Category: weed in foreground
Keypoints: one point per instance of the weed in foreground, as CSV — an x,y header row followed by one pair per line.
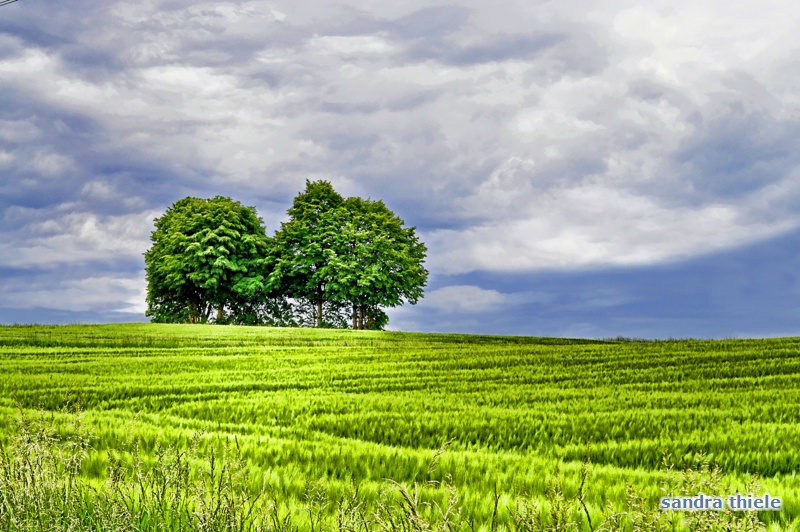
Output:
x,y
42,489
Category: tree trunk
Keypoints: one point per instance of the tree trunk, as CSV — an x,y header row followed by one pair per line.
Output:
x,y
319,314
355,317
220,312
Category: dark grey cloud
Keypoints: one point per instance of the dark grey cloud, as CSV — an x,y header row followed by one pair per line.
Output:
x,y
61,156
404,103
494,49
444,34
429,22
73,31
428,34
739,152
27,29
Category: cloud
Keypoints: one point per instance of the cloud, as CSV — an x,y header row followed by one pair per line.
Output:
x,y
738,152
107,293
748,291
464,299
526,137
72,237
594,225
350,45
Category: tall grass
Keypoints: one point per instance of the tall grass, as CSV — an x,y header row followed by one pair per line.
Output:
x,y
42,488
331,408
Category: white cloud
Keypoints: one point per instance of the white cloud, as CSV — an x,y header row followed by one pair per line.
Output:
x,y
115,294
18,131
29,63
76,237
556,124
349,46
466,299
50,164
594,225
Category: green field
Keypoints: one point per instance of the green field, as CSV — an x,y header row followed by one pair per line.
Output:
x,y
313,415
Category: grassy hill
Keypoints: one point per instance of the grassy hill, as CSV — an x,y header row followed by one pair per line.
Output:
x,y
298,418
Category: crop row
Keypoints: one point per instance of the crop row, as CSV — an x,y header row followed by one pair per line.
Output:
x,y
341,405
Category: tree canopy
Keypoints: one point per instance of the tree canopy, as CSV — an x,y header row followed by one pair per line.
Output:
x,y
378,262
206,254
306,244
336,262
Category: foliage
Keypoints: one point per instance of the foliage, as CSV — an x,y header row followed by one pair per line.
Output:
x,y
335,261
305,244
206,254
347,252
378,262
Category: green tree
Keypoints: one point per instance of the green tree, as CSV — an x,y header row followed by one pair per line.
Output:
x,y
304,247
207,254
379,262
347,257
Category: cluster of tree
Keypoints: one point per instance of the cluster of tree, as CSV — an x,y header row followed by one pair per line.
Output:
x,y
337,262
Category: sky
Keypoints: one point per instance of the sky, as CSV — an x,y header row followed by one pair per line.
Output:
x,y
591,168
